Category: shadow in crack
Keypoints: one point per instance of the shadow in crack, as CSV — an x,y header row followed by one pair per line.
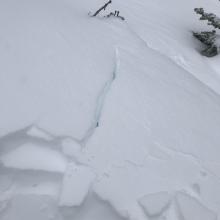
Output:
x,y
17,138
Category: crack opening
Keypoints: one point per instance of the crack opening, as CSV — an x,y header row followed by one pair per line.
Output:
x,y
101,102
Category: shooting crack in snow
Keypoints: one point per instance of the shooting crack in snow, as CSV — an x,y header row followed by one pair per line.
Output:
x,y
107,119
101,101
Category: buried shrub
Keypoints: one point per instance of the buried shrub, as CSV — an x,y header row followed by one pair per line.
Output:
x,y
111,14
115,14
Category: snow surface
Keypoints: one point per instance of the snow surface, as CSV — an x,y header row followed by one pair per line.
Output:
x,y
107,119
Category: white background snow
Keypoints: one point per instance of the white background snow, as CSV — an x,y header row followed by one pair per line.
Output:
x,y
107,119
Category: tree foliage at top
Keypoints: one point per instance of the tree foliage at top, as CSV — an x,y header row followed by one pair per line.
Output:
x,y
210,17
208,38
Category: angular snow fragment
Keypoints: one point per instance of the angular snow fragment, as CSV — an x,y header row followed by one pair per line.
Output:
x,y
76,185
155,204
190,208
34,157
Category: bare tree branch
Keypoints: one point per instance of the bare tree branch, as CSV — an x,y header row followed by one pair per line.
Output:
x,y
102,8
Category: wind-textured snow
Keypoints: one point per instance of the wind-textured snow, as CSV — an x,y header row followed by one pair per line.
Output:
x,y
107,119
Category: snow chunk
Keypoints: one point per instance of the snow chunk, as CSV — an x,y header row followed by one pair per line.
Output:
x,y
76,184
190,208
155,204
31,156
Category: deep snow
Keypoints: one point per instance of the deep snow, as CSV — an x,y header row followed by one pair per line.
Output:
x,y
107,119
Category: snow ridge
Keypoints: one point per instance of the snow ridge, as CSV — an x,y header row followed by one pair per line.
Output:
x,y
101,101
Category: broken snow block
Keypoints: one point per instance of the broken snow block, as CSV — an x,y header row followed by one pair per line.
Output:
x,y
76,185
31,156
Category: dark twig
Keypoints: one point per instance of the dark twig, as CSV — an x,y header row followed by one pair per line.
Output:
x,y
102,8
115,14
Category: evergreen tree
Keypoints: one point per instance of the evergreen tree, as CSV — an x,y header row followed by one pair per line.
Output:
x,y
208,38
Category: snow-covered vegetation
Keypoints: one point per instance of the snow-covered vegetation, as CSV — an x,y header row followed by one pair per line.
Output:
x,y
107,119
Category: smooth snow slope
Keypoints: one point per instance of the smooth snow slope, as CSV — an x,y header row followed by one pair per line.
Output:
x,y
105,119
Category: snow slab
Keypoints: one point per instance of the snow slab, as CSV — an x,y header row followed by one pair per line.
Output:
x,y
58,67
76,185
34,157
171,110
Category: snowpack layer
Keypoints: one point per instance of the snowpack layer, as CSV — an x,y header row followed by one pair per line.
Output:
x,y
107,119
